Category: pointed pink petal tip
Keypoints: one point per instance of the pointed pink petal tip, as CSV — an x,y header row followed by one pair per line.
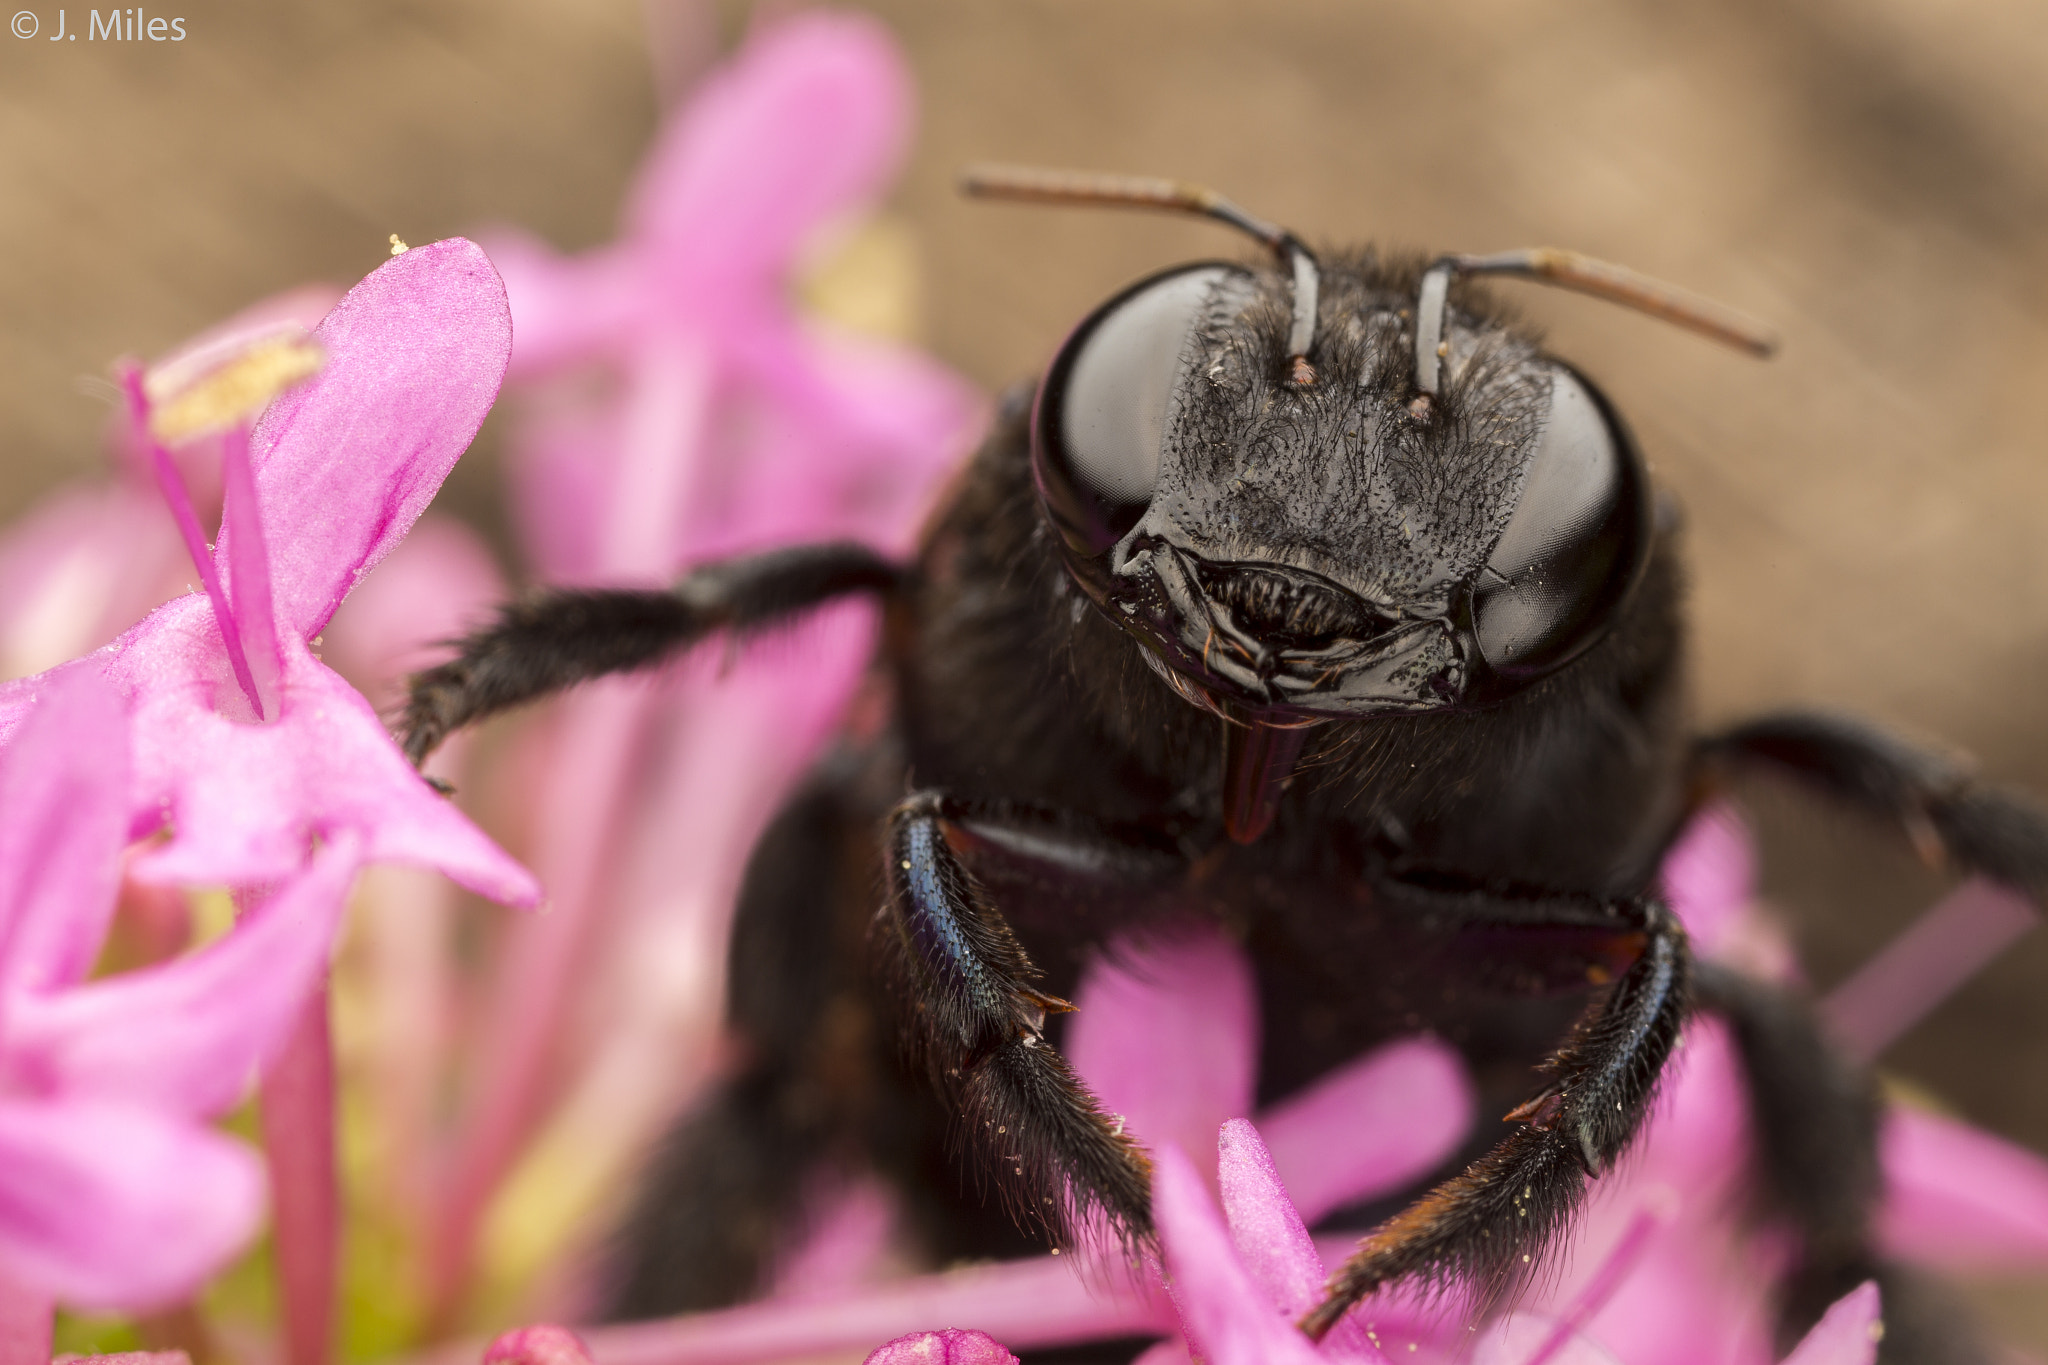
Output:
x,y
1847,1334
541,1344
954,1346
1226,1315
1269,1233
135,1358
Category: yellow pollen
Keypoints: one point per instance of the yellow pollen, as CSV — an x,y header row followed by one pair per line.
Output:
x,y
233,391
398,246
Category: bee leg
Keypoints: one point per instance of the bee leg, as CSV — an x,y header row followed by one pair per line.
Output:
x,y
1980,827
724,1191
560,637
1490,1225
976,1023
1814,1119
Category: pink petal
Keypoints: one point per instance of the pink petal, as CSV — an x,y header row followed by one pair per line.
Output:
x,y
1960,1198
111,1206
346,463
188,1036
1847,1333
245,801
1620,1263
1228,1318
1044,1301
245,547
890,410
1709,875
541,1344
560,468
659,468
1698,1133
809,121
1521,1338
1166,1034
1372,1126
63,787
1270,1236
950,1347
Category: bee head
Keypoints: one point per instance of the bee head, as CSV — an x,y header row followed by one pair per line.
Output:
x,y
1325,491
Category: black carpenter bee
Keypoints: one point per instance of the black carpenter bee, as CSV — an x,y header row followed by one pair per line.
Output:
x,y
1314,600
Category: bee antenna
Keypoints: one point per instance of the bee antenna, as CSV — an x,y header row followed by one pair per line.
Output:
x,y
1570,270
1032,184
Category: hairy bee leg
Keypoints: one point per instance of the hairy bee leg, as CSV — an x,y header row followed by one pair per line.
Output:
x,y
1981,827
1488,1226
976,1022
561,637
1814,1119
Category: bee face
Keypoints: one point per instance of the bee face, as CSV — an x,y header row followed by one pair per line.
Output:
x,y
1328,546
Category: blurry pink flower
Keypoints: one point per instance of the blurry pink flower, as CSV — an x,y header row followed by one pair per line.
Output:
x,y
246,747
679,408
113,1192
740,425
1241,1280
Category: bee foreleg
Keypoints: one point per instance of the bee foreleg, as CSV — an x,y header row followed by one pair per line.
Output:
x,y
975,1020
1490,1225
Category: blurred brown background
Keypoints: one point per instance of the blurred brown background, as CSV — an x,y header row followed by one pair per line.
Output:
x,y
1866,513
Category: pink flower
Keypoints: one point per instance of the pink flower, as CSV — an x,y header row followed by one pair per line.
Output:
x,y
740,425
1240,1281
677,407
113,1191
246,747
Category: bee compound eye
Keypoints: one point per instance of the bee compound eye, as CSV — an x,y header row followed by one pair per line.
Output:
x,y
1576,544
1103,409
